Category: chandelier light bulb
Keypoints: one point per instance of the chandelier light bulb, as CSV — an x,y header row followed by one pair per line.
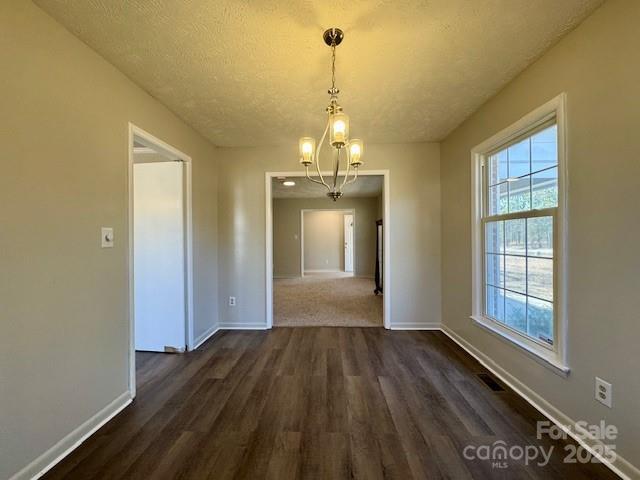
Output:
x,y
339,129
307,150
356,149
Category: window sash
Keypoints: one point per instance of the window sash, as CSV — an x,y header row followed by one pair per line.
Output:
x,y
526,214
549,212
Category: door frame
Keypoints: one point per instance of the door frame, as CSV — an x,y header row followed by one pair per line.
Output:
x,y
164,148
350,211
386,202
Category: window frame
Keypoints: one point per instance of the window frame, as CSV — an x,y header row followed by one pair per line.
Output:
x,y
553,357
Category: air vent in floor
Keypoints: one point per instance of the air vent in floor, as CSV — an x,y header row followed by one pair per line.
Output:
x,y
490,382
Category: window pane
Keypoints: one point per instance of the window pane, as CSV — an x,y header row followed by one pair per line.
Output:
x,y
540,237
515,269
516,311
495,303
544,150
520,194
545,188
540,320
519,159
495,270
515,241
498,199
494,239
498,167
540,278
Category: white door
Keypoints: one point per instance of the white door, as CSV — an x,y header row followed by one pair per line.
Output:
x,y
348,243
158,256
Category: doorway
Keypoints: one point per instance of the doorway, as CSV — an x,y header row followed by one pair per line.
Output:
x,y
286,270
160,249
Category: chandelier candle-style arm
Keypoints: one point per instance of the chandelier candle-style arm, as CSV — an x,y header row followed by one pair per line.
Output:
x,y
346,174
338,134
324,135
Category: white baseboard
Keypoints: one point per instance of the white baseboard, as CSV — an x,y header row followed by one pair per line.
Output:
x,y
416,326
620,466
205,336
284,277
325,271
73,440
242,326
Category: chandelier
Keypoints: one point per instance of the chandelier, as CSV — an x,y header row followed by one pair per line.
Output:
x,y
338,129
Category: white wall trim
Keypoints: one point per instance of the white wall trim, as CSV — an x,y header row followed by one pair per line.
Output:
x,y
417,326
327,270
172,152
144,151
205,336
269,240
73,440
621,466
242,326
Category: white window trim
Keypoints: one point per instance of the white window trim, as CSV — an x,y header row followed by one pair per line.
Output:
x,y
556,358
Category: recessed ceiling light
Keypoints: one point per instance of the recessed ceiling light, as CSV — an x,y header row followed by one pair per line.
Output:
x,y
289,183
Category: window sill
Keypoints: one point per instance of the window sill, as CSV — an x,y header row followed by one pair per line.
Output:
x,y
546,359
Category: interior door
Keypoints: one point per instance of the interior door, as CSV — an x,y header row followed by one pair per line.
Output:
x,y
159,260
348,243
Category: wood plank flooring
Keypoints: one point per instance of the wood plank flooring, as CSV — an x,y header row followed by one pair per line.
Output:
x,y
325,403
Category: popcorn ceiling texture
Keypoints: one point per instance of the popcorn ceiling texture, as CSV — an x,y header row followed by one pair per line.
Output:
x,y
248,73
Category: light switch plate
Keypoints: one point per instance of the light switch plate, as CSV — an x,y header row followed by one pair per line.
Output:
x,y
107,237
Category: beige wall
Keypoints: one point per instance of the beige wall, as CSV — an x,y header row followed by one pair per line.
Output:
x,y
286,233
324,241
414,228
597,66
63,299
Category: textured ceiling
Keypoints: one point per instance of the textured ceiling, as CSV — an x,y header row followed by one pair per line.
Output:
x,y
247,72
365,186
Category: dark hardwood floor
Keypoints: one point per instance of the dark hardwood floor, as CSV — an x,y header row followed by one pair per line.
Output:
x,y
316,403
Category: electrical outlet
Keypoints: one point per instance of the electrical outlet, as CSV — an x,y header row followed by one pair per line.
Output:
x,y
604,392
232,301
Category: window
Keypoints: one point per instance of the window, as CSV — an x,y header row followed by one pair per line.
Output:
x,y
518,237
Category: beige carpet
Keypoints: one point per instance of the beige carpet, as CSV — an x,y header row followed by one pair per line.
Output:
x,y
334,301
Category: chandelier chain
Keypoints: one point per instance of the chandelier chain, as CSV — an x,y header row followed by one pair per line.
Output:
x,y
333,67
